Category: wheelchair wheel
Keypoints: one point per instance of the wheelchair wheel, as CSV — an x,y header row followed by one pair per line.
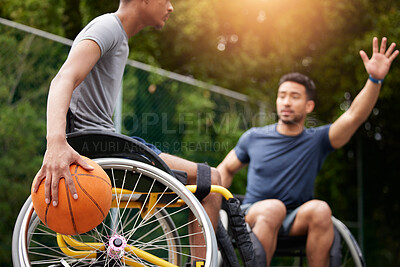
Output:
x,y
147,225
351,253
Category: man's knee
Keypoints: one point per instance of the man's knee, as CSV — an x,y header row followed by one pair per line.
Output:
x,y
321,213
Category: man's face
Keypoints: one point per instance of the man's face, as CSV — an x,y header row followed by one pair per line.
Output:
x,y
158,12
292,104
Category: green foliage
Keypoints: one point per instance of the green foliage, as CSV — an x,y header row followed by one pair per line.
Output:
x,y
72,18
42,14
242,45
21,152
91,9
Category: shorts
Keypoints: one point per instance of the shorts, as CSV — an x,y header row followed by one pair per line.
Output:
x,y
287,222
151,146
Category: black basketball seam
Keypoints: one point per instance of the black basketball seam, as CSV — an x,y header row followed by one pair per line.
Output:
x,y
94,176
45,214
89,196
76,170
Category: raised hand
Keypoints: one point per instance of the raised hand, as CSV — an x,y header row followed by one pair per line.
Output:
x,y
379,63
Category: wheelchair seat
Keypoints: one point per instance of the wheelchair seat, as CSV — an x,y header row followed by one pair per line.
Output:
x,y
290,246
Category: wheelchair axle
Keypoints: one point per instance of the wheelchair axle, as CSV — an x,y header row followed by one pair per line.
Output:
x,y
116,246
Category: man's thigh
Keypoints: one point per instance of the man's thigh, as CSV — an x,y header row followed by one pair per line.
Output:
x,y
306,214
174,162
177,163
271,210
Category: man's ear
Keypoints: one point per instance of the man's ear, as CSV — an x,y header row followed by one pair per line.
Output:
x,y
310,105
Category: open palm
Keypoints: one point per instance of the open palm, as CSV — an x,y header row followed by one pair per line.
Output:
x,y
379,64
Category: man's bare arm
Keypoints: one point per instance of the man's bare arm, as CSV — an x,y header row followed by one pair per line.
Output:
x,y
378,66
228,167
59,155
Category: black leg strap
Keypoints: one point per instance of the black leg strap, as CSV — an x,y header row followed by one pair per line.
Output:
x,y
203,181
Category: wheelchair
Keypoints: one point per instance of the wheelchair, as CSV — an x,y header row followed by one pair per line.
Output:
x,y
149,223
150,220
291,250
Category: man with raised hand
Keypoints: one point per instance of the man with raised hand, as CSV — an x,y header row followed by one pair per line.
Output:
x,y
285,158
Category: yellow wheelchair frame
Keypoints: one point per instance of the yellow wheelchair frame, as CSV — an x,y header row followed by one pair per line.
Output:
x,y
74,248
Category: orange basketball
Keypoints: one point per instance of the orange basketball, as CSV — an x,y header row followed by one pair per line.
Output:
x,y
70,216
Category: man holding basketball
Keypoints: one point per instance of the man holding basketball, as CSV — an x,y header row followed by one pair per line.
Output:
x,y
86,87
285,158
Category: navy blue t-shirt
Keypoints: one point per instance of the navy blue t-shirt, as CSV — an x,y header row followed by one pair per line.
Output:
x,y
282,167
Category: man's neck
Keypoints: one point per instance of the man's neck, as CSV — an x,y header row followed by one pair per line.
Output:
x,y
130,21
290,129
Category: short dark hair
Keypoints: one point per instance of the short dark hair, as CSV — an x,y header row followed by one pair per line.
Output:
x,y
302,79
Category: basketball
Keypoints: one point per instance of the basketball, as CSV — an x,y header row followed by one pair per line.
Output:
x,y
70,216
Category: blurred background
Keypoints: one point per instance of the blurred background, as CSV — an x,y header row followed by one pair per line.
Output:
x,y
209,75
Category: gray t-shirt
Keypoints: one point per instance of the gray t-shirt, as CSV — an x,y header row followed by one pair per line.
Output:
x,y
93,101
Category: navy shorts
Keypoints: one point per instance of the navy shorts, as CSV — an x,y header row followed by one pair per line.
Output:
x,y
151,146
287,222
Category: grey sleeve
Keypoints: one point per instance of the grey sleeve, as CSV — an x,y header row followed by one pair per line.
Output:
x,y
241,148
104,32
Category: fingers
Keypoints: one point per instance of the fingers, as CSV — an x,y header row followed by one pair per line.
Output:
x,y
52,183
388,53
394,55
37,181
84,164
47,188
54,191
375,45
55,185
390,50
56,166
364,57
383,45
69,181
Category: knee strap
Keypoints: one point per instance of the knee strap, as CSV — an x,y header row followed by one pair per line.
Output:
x,y
203,181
